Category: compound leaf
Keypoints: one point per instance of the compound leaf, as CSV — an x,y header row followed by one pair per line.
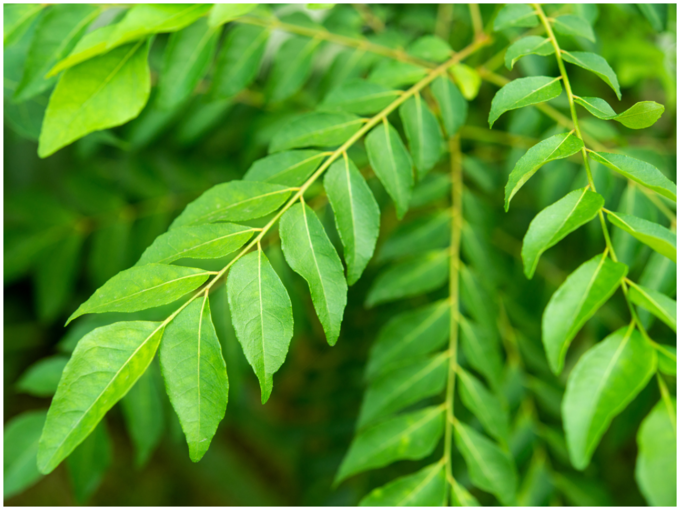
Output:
x,y
523,92
530,45
316,129
423,133
657,237
595,64
426,487
288,168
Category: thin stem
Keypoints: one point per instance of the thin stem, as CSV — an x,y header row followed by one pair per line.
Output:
x,y
371,19
443,24
666,396
476,17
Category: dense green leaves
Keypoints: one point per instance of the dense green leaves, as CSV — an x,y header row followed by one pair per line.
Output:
x,y
103,92
426,487
655,236
195,374
318,129
223,13
16,20
556,147
515,15
392,164
357,216
262,315
600,386
452,105
423,134
638,171
105,364
407,436
292,67
395,74
359,96
557,221
142,287
42,378
289,168
595,64
482,351
523,92
20,447
310,253
569,24
639,116
578,298
659,304
530,45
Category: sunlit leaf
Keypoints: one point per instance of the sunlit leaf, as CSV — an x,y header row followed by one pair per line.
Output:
x,y
659,304
223,13
530,45
288,168
657,237
515,15
595,64
639,116
569,24
426,487
523,92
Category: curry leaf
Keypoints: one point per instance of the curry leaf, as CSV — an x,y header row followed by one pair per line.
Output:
x,y
530,45
423,134
452,105
515,15
659,238
292,67
42,378
467,78
577,26
485,406
20,445
523,92
359,96
595,64
288,168
482,352
659,304
426,487
223,13
639,116
317,129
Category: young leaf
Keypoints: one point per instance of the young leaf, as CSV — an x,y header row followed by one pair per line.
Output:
x,y
209,241
603,382
578,298
411,277
452,105
55,36
195,374
310,253
317,129
409,335
656,466
402,387
639,116
187,58
467,78
262,315
233,201
91,45
657,237
426,487
659,304
428,232
359,96
515,15
491,469
595,64
89,462
530,45
357,215
556,147
42,378
523,92
557,221
482,352
638,171
105,364
289,168
430,47
423,133
574,26
20,445
223,13
407,436
392,164
238,60
142,287
485,406
83,100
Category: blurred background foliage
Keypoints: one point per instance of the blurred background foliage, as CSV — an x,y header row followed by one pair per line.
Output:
x,y
75,219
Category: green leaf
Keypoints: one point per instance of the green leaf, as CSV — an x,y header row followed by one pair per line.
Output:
x,y
603,382
402,387
491,469
460,496
395,74
392,164
667,358
430,47
578,298
411,277
91,45
288,168
20,444
659,304
17,18
195,374
557,221
233,201
485,406
56,34
523,92
209,241
428,232
88,463
359,96
317,129
262,315
515,15
82,100
238,61
105,364
423,133
657,237
223,13
468,79
187,58
581,491
42,378
433,188
410,436
656,466
556,147
656,14
142,287
408,336
639,116
595,64
574,26
638,171
530,45
292,67
310,253
452,105
143,413
482,352
426,487
357,215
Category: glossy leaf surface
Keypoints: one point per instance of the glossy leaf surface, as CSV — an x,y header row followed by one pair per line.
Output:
x,y
523,92
659,238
